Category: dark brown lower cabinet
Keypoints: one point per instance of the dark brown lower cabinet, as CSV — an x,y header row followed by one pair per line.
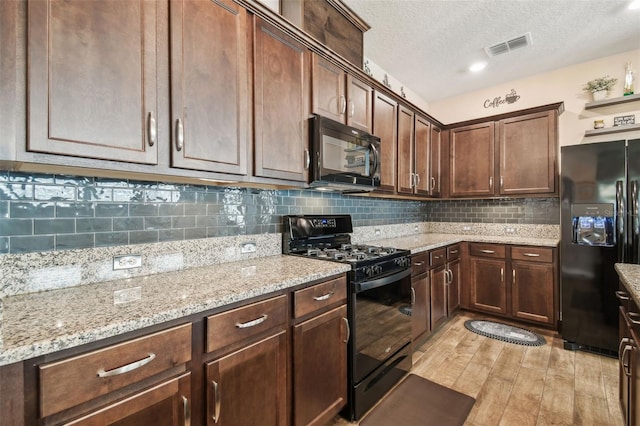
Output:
x,y
488,288
166,404
438,293
629,357
249,386
320,367
532,291
453,286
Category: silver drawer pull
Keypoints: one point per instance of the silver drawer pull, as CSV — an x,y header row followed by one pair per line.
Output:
x,y
323,297
252,322
622,295
531,254
487,251
128,367
632,315
437,257
418,264
454,252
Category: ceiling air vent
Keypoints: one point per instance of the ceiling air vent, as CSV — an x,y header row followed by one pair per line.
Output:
x,y
509,45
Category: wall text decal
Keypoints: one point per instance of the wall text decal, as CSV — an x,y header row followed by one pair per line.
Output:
x,y
509,98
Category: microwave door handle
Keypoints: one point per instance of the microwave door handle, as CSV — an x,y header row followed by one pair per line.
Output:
x,y
376,159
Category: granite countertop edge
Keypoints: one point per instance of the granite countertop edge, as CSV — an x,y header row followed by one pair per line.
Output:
x,y
630,276
414,243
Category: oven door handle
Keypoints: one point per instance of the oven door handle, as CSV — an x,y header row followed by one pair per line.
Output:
x,y
379,282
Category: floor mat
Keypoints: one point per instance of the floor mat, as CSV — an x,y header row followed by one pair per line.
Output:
x,y
420,402
505,332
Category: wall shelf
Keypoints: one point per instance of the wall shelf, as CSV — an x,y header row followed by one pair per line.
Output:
x,y
612,101
609,130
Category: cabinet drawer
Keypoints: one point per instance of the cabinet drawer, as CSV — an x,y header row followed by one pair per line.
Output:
x,y
238,324
419,264
453,252
437,257
532,254
66,383
316,297
487,250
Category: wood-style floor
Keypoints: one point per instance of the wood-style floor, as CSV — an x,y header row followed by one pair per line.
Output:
x,y
520,385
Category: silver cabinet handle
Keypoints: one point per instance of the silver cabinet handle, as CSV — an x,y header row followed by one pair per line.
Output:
x,y
532,254
487,251
307,159
626,342
126,368
417,180
418,264
323,297
412,180
502,275
490,182
216,401
343,104
152,132
346,323
413,296
179,135
353,109
433,182
631,316
513,275
501,182
622,295
186,411
252,322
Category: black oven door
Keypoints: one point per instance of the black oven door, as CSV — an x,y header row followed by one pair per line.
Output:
x,y
381,328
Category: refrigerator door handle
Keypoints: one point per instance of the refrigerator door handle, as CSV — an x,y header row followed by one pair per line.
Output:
x,y
619,215
634,222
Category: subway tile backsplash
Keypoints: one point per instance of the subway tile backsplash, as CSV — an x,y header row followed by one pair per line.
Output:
x,y
41,212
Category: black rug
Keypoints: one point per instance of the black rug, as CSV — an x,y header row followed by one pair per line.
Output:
x,y
419,402
504,332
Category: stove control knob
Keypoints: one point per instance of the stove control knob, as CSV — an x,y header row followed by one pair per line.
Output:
x,y
377,269
368,271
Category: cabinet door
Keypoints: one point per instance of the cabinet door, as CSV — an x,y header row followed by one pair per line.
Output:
x,y
472,160
328,84
488,289
385,125
92,79
405,151
435,162
281,104
420,314
634,385
249,386
209,86
453,287
166,404
528,153
624,381
438,296
532,290
359,98
422,130
320,367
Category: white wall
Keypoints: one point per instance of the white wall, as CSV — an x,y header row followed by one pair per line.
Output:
x,y
565,85
378,74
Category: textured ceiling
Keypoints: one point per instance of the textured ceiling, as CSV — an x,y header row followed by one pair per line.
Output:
x,y
428,45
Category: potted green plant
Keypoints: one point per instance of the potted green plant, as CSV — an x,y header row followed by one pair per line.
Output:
x,y
600,87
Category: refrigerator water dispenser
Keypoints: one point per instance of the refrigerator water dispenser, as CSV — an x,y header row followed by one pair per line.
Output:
x,y
593,224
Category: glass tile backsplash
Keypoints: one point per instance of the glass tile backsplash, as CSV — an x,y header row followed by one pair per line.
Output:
x,y
41,212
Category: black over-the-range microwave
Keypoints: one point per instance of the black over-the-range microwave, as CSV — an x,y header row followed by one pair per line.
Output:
x,y
342,157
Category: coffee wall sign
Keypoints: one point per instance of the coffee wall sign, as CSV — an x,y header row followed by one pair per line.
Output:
x,y
509,98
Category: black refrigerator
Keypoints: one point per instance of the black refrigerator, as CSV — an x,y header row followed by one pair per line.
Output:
x,y
599,227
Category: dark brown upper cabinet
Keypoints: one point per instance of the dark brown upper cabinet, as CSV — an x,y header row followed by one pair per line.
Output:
x,y
92,79
406,153
435,162
210,80
385,125
422,182
340,96
528,154
281,104
472,160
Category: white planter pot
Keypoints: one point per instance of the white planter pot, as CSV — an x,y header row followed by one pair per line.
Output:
x,y
598,96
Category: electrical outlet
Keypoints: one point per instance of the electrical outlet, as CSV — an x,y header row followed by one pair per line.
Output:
x,y
377,232
127,295
415,228
127,261
249,247
466,228
509,230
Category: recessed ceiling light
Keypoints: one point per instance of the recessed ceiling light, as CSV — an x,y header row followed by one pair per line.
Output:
x,y
635,4
477,66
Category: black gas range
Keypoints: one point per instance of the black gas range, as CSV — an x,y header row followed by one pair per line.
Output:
x,y
379,292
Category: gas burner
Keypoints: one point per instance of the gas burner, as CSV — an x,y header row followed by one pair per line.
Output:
x,y
314,252
358,255
346,247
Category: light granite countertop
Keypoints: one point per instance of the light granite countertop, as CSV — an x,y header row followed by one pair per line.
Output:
x,y
423,242
35,324
630,276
